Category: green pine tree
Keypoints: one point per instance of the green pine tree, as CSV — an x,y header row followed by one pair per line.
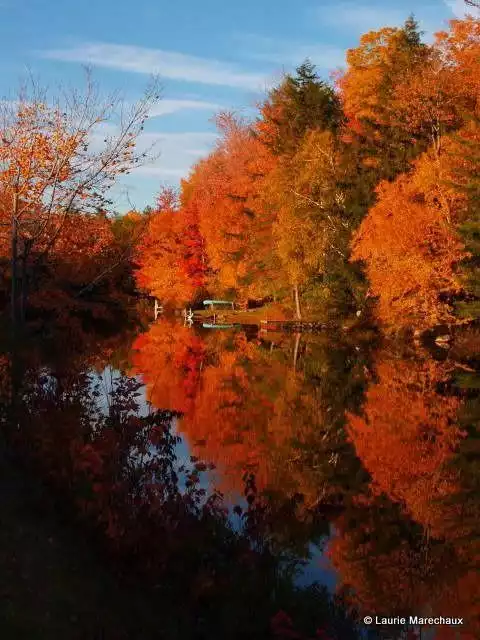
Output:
x,y
307,103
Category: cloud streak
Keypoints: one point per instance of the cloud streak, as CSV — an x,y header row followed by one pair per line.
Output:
x,y
268,49
167,64
172,154
166,107
357,18
360,17
176,152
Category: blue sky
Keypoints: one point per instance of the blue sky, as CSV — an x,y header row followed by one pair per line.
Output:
x,y
210,54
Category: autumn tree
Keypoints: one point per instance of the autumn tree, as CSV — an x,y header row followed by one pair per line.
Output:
x,y
298,122
413,239
224,188
194,264
411,245
367,91
459,50
373,70
171,256
441,94
308,205
53,165
157,253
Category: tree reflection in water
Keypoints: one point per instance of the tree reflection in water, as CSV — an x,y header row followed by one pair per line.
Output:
x,y
112,468
318,442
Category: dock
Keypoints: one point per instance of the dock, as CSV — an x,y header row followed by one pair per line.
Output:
x,y
296,326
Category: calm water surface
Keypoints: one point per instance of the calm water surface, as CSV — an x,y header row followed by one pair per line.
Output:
x,y
358,463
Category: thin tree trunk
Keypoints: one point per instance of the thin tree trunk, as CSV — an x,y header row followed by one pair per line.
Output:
x,y
295,352
15,385
15,376
297,302
24,288
14,283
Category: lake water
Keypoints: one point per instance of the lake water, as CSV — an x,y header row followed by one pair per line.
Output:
x,y
363,458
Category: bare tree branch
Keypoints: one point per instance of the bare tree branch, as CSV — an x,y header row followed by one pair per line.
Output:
x,y
61,156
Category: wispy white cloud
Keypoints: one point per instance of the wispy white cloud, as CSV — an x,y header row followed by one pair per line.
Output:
x,y
175,155
167,64
288,53
460,9
166,107
357,18
171,154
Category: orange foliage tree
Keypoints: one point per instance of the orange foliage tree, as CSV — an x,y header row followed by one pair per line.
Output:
x,y
410,244
444,91
171,256
50,169
367,91
409,240
224,188
460,49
